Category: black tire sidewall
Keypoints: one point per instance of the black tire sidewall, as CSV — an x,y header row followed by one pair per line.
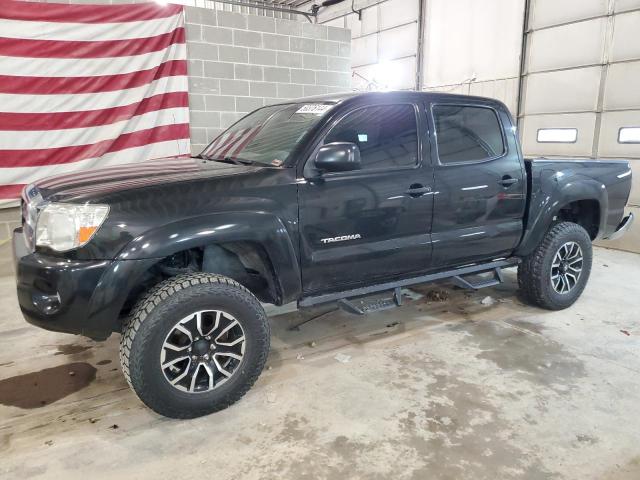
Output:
x,y
576,234
149,381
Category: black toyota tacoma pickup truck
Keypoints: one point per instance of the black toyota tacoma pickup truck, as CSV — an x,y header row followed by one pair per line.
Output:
x,y
320,200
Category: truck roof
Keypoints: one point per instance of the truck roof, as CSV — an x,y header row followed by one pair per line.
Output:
x,y
399,94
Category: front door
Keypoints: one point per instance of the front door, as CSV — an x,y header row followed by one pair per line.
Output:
x,y
369,225
480,184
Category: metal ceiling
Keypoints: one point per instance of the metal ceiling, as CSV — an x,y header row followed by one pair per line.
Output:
x,y
292,7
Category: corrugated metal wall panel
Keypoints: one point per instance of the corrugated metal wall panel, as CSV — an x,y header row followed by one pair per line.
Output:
x,y
621,89
384,41
572,45
624,5
611,124
606,90
584,122
483,43
551,12
563,91
625,45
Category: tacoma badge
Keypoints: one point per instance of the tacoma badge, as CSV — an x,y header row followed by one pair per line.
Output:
x,y
343,238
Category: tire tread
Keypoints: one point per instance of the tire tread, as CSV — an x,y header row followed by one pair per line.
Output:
x,y
154,299
531,280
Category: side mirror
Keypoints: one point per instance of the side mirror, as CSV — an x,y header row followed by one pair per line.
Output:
x,y
338,157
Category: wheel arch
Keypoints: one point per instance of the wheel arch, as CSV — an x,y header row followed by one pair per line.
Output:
x,y
583,201
257,241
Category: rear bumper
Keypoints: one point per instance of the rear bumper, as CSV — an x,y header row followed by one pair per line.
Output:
x,y
71,296
625,224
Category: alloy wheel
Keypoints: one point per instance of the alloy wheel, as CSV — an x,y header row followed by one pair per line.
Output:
x,y
202,351
566,267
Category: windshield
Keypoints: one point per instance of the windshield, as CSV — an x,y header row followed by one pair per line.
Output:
x,y
267,135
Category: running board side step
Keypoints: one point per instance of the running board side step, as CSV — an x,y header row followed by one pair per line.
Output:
x,y
461,282
456,275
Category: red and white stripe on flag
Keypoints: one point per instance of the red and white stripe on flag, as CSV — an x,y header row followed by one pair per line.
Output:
x,y
231,143
86,86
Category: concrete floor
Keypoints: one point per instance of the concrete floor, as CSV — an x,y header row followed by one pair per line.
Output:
x,y
449,389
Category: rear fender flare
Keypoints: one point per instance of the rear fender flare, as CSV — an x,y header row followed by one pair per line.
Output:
x,y
553,197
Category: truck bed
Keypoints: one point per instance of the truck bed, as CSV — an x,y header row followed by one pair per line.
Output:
x,y
607,180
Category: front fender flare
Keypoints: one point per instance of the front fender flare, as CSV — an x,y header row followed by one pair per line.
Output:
x,y
262,228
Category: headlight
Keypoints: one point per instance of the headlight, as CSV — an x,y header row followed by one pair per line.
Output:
x,y
64,226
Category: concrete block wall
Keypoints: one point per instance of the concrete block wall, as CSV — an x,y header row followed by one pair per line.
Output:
x,y
238,63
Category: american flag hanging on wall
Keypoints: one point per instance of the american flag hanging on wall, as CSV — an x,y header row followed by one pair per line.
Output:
x,y
86,86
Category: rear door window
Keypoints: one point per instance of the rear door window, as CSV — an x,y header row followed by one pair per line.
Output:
x,y
467,133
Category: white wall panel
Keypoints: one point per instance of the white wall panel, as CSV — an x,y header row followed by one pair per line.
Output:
x,y
398,12
623,5
573,45
351,22
563,91
505,90
398,42
611,123
467,38
553,12
626,45
634,198
392,75
622,86
584,122
369,22
401,73
387,32
364,50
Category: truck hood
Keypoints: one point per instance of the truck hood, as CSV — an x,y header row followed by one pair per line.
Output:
x,y
98,183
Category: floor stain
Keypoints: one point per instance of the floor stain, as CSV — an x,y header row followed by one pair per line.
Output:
x,y
71,349
104,362
37,389
524,351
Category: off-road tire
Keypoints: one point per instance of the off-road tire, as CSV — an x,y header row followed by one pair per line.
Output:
x,y
534,273
155,315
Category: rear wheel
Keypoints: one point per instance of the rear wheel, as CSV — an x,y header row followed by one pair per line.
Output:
x,y
554,275
195,345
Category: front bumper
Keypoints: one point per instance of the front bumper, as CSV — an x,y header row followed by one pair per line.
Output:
x,y
72,296
625,224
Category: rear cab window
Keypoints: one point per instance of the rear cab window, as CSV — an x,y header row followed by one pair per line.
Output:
x,y
466,133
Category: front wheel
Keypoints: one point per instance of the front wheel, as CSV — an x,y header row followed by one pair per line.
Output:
x,y
195,345
554,275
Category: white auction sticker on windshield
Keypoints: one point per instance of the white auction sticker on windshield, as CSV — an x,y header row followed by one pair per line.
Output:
x,y
314,108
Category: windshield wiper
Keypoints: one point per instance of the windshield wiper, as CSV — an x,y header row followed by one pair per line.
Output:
x,y
231,160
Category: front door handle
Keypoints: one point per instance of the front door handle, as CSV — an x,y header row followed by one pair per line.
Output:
x,y
416,190
507,181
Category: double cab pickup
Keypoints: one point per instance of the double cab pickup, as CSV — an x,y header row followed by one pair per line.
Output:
x,y
319,200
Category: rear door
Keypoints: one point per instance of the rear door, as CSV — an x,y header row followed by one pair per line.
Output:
x,y
480,186
364,226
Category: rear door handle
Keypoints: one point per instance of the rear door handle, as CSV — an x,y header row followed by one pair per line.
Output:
x,y
417,190
507,181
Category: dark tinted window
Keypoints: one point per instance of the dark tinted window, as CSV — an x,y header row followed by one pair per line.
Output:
x,y
387,135
467,133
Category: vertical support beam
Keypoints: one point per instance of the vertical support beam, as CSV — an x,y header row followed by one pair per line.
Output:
x,y
422,9
524,51
606,53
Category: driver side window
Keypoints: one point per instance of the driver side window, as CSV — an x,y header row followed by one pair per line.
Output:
x,y
387,135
